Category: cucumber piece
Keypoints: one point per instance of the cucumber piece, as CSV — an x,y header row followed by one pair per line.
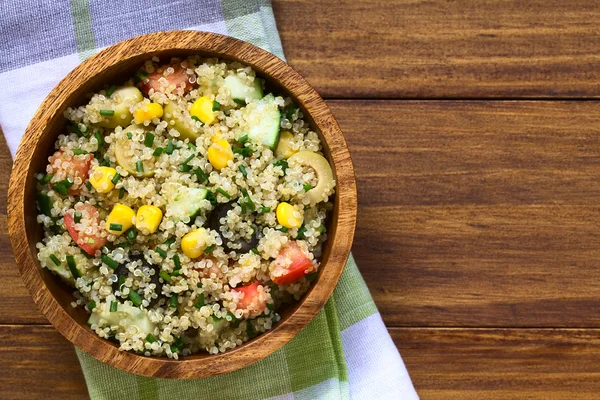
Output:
x,y
181,121
263,122
186,203
240,91
122,99
127,158
132,316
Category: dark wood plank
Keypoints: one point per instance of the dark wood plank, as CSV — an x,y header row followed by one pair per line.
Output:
x,y
465,364
38,363
478,213
408,48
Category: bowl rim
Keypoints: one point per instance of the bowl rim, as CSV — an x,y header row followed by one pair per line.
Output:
x,y
264,63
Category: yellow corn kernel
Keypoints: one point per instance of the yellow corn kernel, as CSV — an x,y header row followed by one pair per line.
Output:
x,y
219,154
288,216
148,218
194,243
203,110
147,112
101,179
283,148
215,138
120,215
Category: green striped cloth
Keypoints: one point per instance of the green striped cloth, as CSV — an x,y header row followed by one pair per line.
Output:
x,y
345,352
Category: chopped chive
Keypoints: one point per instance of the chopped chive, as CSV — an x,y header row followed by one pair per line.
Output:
x,y
105,162
150,338
79,152
200,175
55,260
243,139
135,298
77,217
113,306
110,90
283,164
243,171
149,139
243,205
129,135
209,249
284,229
169,241
45,179
322,228
173,301
109,113
170,147
176,273
301,232
116,227
244,152
312,277
197,119
184,168
290,111
210,196
199,301
75,129
158,151
248,201
91,305
116,178
131,234
141,75
224,193
264,210
255,250
109,261
99,138
121,193
60,188
88,185
44,203
190,158
139,166
307,187
177,261
161,252
166,277
216,106
73,267
192,146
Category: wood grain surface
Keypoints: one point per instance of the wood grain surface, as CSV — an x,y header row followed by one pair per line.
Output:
x,y
478,222
443,48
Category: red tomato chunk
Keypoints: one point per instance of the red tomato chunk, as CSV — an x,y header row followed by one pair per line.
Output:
x,y
291,265
74,167
87,232
253,299
159,82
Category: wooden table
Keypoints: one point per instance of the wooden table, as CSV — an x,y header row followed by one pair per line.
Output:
x,y
474,132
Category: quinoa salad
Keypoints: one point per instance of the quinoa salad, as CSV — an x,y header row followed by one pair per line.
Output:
x,y
185,206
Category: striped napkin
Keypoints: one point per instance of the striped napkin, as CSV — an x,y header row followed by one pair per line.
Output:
x,y
345,352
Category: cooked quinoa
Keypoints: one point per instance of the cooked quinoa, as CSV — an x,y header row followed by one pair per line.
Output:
x,y
186,207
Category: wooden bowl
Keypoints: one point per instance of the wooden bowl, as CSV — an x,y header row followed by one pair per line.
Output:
x,y
114,64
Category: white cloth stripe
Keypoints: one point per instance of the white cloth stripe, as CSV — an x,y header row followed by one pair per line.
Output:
x,y
374,364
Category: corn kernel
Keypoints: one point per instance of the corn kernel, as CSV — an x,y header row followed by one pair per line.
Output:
x,y
284,149
148,218
101,179
148,112
288,216
219,154
194,243
203,110
121,216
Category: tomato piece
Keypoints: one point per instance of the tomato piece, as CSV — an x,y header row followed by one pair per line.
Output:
x,y
254,299
291,265
87,241
178,79
74,167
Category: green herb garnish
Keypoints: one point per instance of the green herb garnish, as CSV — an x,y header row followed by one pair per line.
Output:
x,y
108,113
209,249
55,260
149,139
116,227
109,261
224,193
